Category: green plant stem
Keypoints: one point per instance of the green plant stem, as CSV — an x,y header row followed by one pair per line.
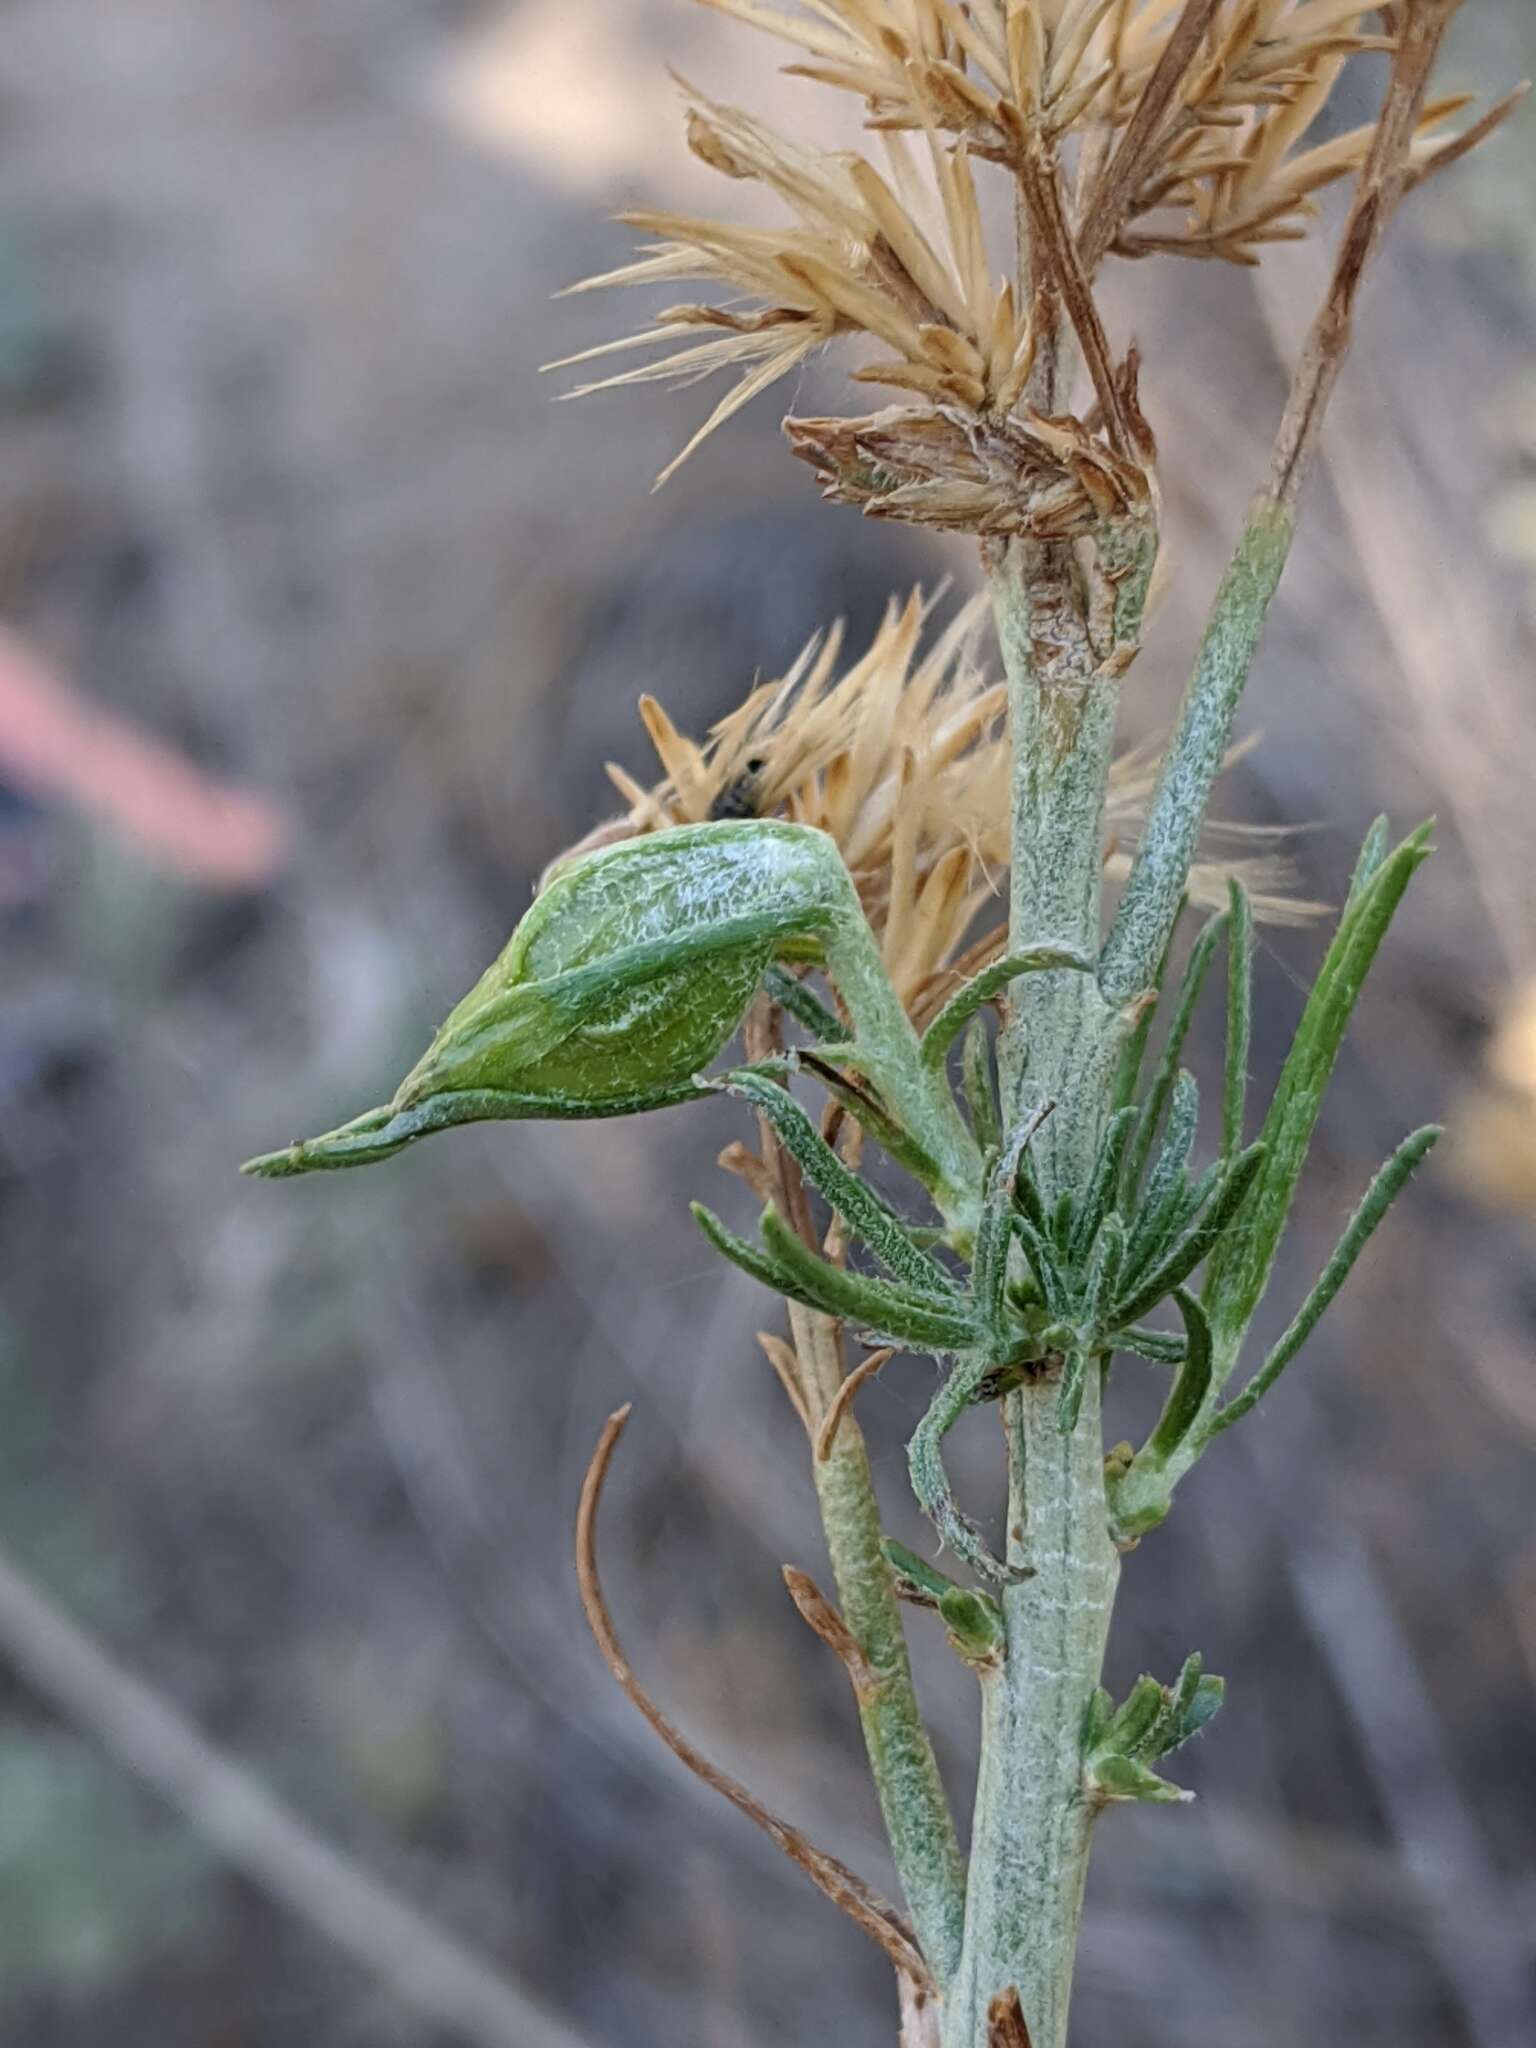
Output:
x,y
1062,711
1061,1042
913,1802
1033,1824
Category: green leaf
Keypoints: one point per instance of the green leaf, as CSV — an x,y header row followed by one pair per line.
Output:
x,y
1159,875
1136,1719
1187,1396
1377,1200
931,1482
1104,1182
975,1622
1373,852
980,1086
1097,1715
1239,1018
1241,1273
860,1208
1196,971
1103,1281
915,1319
1069,1401
1159,1347
992,981
787,1266
917,1575
1198,1245
1134,1051
1120,1777
805,1006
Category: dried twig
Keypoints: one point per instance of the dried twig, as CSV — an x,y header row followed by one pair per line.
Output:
x,y
879,1920
786,1363
842,1401
1383,179
823,1619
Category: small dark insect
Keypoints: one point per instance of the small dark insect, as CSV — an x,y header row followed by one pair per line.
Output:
x,y
739,798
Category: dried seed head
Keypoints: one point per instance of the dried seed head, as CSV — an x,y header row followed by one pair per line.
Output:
x,y
1131,127
901,756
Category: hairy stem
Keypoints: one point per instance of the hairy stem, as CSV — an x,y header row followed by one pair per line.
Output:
x,y
1062,708
1033,1824
912,1797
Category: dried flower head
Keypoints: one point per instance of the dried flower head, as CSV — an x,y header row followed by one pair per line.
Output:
x,y
901,756
1126,126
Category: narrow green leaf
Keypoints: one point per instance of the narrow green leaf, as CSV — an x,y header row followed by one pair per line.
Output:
x,y
930,1480
1234,1093
1241,1273
1158,1347
911,1318
917,1574
1159,875
1192,1250
861,1209
992,981
1166,1073
1104,1273
1069,1402
1187,1395
805,1006
980,1085
1104,1182
1373,852
1134,1051
1377,1200
1047,1274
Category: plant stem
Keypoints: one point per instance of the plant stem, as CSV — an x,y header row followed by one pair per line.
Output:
x,y
1062,710
912,1799
1033,1825
1060,1043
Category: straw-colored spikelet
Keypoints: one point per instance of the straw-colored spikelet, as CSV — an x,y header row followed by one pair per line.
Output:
x,y
1136,127
901,756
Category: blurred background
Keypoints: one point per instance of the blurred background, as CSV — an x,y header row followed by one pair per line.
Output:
x,y
320,621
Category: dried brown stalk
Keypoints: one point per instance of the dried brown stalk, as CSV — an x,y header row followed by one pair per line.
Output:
x,y
1383,180
843,1400
848,1892
823,1619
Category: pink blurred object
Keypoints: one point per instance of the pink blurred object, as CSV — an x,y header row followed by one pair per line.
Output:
x,y
55,743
